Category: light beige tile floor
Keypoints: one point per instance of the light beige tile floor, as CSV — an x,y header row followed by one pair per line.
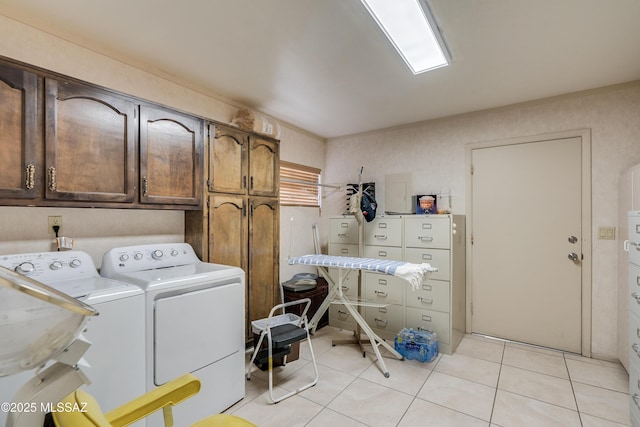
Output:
x,y
485,382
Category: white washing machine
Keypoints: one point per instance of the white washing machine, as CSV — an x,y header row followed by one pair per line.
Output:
x,y
116,357
194,322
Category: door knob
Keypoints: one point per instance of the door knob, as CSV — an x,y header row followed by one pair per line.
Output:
x,y
573,239
573,257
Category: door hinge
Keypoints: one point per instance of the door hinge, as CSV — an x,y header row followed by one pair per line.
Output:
x,y
472,238
471,169
208,202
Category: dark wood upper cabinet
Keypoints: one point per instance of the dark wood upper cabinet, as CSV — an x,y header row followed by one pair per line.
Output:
x,y
90,144
170,157
243,163
18,133
227,160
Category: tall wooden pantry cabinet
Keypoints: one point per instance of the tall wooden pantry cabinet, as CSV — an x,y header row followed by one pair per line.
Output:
x,y
240,223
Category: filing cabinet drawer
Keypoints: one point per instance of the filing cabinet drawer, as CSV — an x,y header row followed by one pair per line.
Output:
x,y
384,289
349,285
431,231
433,295
389,318
383,252
383,232
434,321
339,317
343,230
340,249
438,258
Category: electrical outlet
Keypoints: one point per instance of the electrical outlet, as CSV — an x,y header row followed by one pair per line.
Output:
x,y
55,220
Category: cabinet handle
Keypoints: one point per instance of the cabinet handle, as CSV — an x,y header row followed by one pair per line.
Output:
x,y
426,300
244,181
380,294
345,289
382,253
344,250
426,238
145,186
251,183
426,318
635,348
382,309
30,173
53,186
636,296
424,329
382,282
343,234
380,321
380,236
638,332
343,313
427,257
426,287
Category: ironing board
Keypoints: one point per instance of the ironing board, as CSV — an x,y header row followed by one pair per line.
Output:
x,y
415,274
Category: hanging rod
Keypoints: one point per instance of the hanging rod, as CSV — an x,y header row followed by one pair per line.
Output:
x,y
309,183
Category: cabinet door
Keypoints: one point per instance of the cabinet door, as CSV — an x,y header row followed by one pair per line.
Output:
x,y
263,167
227,161
228,230
18,92
90,144
170,157
263,257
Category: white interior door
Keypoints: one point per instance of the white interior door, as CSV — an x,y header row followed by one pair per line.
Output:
x,y
526,223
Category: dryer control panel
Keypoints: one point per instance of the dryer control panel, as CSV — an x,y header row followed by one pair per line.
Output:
x,y
147,257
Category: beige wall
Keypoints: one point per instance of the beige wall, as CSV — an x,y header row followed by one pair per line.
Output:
x,y
96,230
434,153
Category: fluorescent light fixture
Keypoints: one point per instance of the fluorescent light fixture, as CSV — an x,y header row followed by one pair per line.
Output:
x,y
412,30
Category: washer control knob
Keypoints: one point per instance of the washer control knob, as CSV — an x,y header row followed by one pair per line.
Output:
x,y
174,253
138,256
124,257
75,263
26,268
157,254
56,265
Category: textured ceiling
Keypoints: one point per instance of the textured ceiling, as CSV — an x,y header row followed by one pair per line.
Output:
x,y
324,66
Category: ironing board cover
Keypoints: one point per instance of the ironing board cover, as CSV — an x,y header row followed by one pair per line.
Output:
x,y
416,274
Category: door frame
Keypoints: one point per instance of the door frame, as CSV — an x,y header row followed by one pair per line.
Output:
x,y
585,137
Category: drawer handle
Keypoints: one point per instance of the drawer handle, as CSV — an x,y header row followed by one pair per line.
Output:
x,y
382,282
344,250
424,329
344,224
382,309
382,253
345,288
343,234
636,296
380,321
380,236
638,332
638,280
426,300
343,313
425,238
380,294
426,318
427,226
426,287
427,257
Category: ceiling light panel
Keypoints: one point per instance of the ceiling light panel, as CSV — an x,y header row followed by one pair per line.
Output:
x,y
408,25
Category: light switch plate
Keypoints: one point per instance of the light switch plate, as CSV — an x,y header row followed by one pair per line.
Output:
x,y
606,233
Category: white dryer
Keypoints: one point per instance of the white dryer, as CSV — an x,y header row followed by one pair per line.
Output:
x,y
116,357
194,322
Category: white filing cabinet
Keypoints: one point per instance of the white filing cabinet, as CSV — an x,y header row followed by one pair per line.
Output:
x,y
439,305
634,315
344,240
